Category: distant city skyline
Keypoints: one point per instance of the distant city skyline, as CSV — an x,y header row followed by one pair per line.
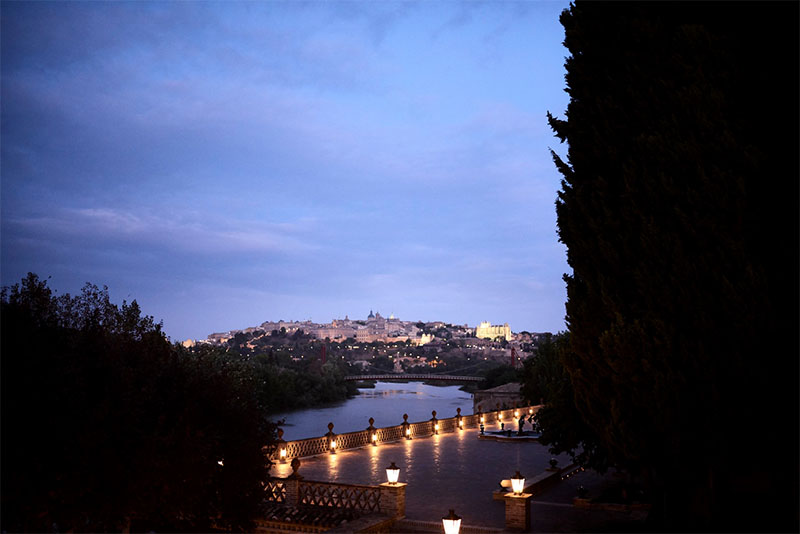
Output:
x,y
228,163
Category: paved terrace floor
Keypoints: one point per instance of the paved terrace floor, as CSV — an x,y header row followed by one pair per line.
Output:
x,y
459,471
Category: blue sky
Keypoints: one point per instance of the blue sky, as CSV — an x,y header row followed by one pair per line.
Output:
x,y
227,164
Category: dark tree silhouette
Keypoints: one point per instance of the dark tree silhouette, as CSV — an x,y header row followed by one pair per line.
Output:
x,y
679,211
545,379
106,426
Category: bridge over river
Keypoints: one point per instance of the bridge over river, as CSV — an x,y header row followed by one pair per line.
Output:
x,y
403,376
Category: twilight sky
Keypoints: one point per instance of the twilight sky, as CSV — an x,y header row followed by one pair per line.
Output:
x,y
228,164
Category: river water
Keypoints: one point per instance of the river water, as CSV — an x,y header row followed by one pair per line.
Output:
x,y
387,403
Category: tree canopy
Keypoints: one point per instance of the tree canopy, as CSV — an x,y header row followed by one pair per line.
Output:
x,y
106,426
679,212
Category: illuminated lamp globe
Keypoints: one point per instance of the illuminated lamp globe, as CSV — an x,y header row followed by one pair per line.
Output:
x,y
451,522
392,473
517,483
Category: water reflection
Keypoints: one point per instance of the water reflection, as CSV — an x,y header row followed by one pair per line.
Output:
x,y
370,394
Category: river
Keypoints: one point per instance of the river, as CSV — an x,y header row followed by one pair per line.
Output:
x,y
387,403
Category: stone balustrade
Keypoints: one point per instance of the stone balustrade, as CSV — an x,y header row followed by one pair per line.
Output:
x,y
287,450
294,493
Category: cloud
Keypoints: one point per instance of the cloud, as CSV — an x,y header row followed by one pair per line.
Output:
x,y
100,227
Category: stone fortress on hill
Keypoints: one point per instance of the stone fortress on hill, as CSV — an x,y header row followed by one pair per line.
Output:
x,y
374,328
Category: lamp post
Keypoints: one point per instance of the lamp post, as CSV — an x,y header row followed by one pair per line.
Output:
x,y
459,419
518,505
372,432
451,523
435,422
331,437
282,452
393,493
406,427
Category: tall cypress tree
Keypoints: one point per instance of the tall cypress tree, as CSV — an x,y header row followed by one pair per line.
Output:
x,y
679,211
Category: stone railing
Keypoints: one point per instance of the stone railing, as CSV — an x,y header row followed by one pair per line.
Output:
x,y
275,490
332,442
361,498
294,492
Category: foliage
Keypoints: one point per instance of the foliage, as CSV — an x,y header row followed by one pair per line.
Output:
x,y
106,425
545,380
679,211
293,385
499,375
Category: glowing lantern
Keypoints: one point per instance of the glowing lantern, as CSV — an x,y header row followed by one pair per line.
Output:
x,y
283,454
452,523
392,473
517,483
374,438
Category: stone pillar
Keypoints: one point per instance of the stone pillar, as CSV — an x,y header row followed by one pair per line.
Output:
x,y
393,499
518,512
292,485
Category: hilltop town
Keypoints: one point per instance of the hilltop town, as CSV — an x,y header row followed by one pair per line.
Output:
x,y
383,343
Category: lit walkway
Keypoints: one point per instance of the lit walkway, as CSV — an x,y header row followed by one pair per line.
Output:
x,y
454,470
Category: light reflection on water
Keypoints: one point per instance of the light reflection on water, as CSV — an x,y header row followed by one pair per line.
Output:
x,y
387,403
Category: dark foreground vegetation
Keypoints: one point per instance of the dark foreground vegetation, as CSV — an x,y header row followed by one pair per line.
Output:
x,y
106,426
679,209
